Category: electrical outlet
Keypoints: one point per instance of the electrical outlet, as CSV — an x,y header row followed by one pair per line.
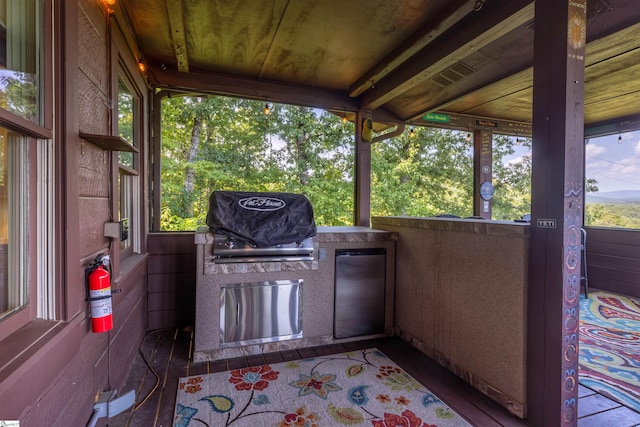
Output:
x,y
112,230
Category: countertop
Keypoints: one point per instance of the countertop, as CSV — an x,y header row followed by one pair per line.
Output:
x,y
464,225
353,234
325,234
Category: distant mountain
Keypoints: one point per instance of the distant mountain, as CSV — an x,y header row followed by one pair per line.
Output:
x,y
614,197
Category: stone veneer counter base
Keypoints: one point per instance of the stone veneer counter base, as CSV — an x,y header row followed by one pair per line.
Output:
x,y
461,298
317,293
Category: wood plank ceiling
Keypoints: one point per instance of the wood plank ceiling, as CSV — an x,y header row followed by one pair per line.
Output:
x,y
401,59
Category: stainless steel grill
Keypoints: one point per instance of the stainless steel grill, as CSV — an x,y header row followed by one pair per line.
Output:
x,y
227,249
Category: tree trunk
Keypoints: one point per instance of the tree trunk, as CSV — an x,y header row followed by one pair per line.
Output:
x,y
302,160
189,172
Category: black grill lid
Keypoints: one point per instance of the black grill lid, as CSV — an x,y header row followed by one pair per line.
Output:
x,y
266,219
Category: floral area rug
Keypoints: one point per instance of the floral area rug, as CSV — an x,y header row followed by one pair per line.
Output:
x,y
610,347
360,388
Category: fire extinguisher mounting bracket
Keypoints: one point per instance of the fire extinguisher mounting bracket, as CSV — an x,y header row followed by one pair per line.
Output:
x,y
113,291
103,260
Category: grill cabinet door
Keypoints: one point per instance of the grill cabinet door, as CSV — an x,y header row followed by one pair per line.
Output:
x,y
252,313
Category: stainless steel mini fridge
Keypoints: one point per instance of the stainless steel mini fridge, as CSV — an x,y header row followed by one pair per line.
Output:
x,y
359,293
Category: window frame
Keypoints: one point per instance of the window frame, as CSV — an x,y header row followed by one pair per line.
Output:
x,y
127,178
28,311
124,67
43,290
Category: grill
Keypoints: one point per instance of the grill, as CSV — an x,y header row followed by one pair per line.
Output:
x,y
258,227
228,249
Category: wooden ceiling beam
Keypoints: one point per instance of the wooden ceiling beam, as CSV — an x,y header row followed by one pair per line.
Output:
x,y
195,82
469,122
454,12
618,125
178,36
489,90
497,19
598,52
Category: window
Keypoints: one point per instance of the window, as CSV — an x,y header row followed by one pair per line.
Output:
x,y
20,84
14,188
27,199
612,172
128,179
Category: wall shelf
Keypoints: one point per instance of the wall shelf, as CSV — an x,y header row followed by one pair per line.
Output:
x,y
109,142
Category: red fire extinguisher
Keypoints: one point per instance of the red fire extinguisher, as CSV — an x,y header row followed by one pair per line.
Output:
x,y
100,297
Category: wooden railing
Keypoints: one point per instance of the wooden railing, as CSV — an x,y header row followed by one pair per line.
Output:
x,y
171,280
613,260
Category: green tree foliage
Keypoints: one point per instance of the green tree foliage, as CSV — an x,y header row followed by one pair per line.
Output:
x,y
19,94
512,180
591,185
615,215
432,174
219,143
425,175
125,122
317,157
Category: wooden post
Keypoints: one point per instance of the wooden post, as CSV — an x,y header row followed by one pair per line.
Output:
x,y
482,173
362,174
556,207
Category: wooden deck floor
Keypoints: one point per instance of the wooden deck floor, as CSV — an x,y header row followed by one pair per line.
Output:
x,y
164,357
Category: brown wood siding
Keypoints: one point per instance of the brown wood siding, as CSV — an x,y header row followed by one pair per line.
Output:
x,y
91,362
93,171
93,109
53,376
94,212
130,321
172,280
613,260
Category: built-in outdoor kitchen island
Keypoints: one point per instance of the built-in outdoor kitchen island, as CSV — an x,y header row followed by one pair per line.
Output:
x,y
454,288
308,286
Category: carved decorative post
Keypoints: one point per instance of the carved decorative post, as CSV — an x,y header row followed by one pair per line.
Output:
x,y
557,206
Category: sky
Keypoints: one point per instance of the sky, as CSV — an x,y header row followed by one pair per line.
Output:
x,y
616,166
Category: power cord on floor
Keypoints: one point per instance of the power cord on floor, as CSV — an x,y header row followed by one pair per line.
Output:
x,y
155,374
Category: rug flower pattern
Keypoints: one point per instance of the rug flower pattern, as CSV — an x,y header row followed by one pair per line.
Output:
x,y
363,388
